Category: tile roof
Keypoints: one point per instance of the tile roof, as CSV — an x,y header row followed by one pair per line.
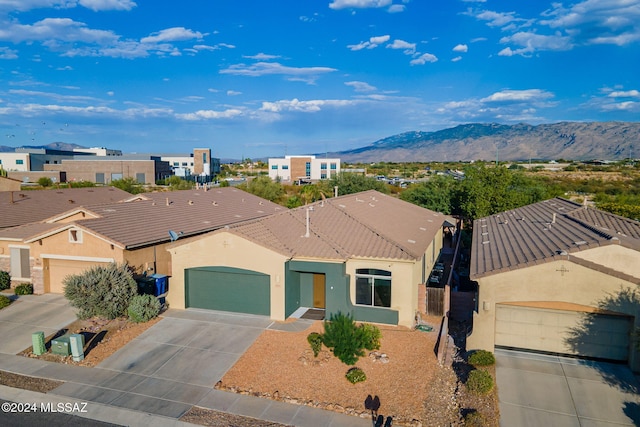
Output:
x,y
22,207
366,224
542,232
148,220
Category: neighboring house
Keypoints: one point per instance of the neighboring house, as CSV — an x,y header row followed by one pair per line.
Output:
x,y
366,254
143,168
557,277
305,168
199,163
136,232
9,184
23,207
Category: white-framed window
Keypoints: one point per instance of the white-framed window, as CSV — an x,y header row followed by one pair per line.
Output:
x,y
20,264
75,236
373,287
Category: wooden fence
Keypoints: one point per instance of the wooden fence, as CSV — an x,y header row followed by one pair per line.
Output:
x,y
435,301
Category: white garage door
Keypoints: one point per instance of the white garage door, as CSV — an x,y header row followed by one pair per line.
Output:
x,y
58,269
585,334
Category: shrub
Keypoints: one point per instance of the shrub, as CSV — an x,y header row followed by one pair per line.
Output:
x,y
479,381
45,181
370,336
356,375
474,419
315,340
5,280
4,301
103,291
143,308
347,341
24,289
482,358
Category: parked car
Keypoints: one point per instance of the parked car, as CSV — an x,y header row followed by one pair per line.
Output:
x,y
439,267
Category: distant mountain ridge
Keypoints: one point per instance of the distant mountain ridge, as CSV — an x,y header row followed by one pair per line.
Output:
x,y
486,141
53,146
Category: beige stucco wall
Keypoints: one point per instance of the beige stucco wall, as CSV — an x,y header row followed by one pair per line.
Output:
x,y
9,184
552,281
229,250
615,257
85,170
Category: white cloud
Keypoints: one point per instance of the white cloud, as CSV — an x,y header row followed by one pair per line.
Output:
x,y
625,94
233,93
396,8
205,47
111,93
211,114
52,30
518,95
261,57
358,4
461,48
306,74
312,106
409,48
99,5
496,19
372,43
423,59
360,86
456,59
95,5
532,42
6,53
172,35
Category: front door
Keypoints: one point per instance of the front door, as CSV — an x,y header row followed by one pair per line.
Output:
x,y
318,291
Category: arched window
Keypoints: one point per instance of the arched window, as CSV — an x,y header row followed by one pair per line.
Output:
x,y
373,287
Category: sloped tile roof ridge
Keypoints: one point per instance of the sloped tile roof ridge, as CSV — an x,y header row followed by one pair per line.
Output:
x,y
340,250
245,229
379,233
607,222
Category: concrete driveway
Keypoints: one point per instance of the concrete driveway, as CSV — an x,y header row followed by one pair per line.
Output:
x,y
539,390
32,313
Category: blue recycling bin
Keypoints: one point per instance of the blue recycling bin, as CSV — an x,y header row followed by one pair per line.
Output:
x,y
161,284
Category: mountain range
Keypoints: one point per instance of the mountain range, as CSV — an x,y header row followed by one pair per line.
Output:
x,y
488,141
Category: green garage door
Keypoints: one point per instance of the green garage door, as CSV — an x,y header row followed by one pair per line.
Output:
x,y
604,336
228,289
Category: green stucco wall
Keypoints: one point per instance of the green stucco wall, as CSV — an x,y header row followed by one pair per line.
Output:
x,y
336,291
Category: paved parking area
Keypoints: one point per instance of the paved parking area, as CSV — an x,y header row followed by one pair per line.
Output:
x,y
32,313
539,390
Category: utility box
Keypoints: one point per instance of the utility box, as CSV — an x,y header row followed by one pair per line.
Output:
x,y
37,342
61,346
76,342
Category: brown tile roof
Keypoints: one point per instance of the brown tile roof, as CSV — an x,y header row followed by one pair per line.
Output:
x,y
23,207
147,221
366,224
542,232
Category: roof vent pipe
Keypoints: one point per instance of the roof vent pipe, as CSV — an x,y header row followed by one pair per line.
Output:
x,y
308,210
553,221
335,191
167,201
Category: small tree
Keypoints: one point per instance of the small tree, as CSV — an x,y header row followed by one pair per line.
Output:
x,y
45,181
348,341
143,308
5,280
103,291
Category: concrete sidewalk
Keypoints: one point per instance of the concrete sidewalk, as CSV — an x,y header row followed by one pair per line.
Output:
x,y
159,376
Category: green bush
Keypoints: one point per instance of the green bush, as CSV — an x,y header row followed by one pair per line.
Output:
x,y
479,381
315,340
5,280
482,358
4,301
348,341
474,419
45,181
102,291
24,289
356,375
371,336
143,308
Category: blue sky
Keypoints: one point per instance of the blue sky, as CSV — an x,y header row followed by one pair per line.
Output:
x,y
267,78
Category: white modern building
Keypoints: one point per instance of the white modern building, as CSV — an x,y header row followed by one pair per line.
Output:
x,y
303,168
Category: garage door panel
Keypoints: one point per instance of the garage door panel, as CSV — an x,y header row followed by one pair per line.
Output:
x,y
228,289
606,336
59,269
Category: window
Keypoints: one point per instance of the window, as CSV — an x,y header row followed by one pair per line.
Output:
x,y
334,166
116,176
307,167
176,164
373,287
274,167
19,162
323,166
99,177
323,175
140,178
75,236
184,164
285,167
